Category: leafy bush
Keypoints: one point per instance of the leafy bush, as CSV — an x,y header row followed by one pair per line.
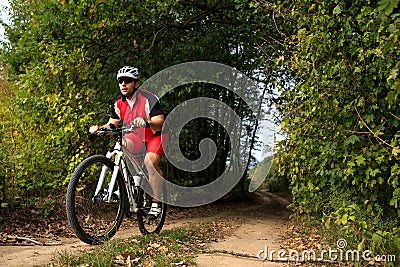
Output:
x,y
342,118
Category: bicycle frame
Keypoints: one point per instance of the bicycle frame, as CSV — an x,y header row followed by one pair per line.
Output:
x,y
119,163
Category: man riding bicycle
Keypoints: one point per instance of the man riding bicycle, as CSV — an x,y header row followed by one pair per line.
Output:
x,y
140,108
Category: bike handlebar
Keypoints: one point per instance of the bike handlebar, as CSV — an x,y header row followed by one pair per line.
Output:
x,y
116,130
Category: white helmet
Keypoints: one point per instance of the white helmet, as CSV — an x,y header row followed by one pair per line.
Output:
x,y
128,71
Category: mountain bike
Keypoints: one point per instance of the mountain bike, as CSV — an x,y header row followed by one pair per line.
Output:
x,y
104,189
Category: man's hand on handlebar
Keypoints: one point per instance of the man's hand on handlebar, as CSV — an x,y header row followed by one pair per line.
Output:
x,y
93,129
140,123
101,130
110,129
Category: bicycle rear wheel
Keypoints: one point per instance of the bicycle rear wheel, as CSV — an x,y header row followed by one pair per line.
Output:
x,y
144,204
91,217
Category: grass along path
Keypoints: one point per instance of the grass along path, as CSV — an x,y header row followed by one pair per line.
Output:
x,y
175,247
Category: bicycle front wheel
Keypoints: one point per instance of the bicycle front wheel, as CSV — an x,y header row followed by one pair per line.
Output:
x,y
91,216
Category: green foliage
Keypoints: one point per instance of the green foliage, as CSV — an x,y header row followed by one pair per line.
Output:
x,y
7,145
62,58
342,117
271,182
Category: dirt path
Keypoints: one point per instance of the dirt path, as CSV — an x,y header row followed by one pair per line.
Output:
x,y
260,218
263,226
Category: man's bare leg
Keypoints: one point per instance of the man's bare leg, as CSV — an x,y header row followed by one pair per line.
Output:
x,y
152,161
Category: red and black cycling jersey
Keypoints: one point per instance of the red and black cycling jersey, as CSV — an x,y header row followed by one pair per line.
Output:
x,y
144,104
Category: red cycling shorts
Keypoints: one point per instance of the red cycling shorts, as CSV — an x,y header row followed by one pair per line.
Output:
x,y
153,144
